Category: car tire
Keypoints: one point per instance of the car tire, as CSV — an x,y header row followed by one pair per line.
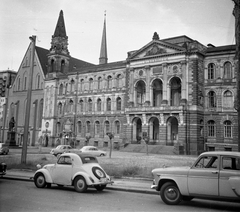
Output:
x,y
100,187
80,184
39,180
99,173
170,194
101,154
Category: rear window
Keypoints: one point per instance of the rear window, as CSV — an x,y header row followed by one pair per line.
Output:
x,y
88,159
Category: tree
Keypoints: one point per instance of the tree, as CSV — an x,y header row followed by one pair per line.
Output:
x,y
111,136
88,137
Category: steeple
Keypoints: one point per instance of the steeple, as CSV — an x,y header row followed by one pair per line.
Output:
x,y
58,57
60,30
103,51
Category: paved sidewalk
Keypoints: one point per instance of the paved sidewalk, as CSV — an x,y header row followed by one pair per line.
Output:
x,y
123,184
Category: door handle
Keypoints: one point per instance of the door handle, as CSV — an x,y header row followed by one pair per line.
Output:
x,y
215,172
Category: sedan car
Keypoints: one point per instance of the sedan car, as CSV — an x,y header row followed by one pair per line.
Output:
x,y
3,168
4,150
62,149
78,170
214,175
93,151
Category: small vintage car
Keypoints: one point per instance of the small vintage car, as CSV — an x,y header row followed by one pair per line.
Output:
x,y
62,149
78,170
214,175
93,151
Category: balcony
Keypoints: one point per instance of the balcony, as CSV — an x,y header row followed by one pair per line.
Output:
x,y
154,109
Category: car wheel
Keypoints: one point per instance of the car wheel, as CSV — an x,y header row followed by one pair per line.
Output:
x,y
39,180
101,154
100,187
170,194
80,184
99,173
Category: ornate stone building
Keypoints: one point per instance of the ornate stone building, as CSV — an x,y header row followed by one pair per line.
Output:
x,y
176,92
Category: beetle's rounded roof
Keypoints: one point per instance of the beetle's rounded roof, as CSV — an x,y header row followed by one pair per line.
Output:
x,y
224,153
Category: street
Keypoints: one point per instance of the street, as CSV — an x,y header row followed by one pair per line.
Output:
x,y
24,196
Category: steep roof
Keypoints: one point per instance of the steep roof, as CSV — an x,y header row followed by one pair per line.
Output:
x,y
42,55
60,30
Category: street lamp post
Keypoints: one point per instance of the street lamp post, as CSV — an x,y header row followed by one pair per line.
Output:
x,y
28,106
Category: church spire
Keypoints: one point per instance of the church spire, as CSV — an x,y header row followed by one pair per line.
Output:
x,y
60,30
103,51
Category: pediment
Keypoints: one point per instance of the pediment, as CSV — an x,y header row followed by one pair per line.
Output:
x,y
155,48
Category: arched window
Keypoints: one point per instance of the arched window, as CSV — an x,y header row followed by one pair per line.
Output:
x,y
211,99
211,71
201,127
99,83
38,81
99,105
97,127
109,102
228,99
40,113
119,103
157,92
72,84
140,90
52,65
109,82
25,83
227,129
118,81
81,105
70,106
61,90
91,84
89,105
79,127
227,72
66,88
62,65
58,127
106,127
82,85
19,84
60,108
88,127
117,127
175,85
211,128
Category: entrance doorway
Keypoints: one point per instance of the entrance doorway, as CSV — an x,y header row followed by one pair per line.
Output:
x,y
154,129
137,129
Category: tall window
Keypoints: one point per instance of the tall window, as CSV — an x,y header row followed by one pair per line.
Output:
x,y
211,128
211,99
40,113
91,84
227,73
228,99
58,127
90,105
119,103
79,127
97,127
62,65
60,108
175,85
107,127
157,92
109,102
52,66
70,106
109,82
201,127
61,90
227,129
66,88
38,81
99,105
211,71
72,84
118,81
117,127
19,84
88,127
25,83
140,93
99,83
81,105
82,85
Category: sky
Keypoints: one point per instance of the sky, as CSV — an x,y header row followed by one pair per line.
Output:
x,y
130,25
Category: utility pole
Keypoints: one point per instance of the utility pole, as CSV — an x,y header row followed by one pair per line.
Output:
x,y
236,13
28,106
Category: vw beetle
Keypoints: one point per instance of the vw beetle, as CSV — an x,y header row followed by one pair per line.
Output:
x,y
78,170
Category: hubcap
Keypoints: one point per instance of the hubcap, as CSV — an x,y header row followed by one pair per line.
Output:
x,y
80,184
171,194
40,180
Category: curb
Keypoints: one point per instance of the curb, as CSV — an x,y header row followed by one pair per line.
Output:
x,y
22,178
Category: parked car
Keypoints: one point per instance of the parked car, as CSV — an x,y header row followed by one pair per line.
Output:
x,y
3,168
4,150
62,149
78,170
214,175
93,151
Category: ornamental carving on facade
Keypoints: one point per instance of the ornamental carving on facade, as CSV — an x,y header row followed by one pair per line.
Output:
x,y
155,50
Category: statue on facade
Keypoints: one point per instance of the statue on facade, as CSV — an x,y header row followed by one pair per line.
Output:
x,y
11,124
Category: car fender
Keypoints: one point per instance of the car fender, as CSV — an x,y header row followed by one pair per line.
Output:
x,y
235,185
46,174
180,181
85,175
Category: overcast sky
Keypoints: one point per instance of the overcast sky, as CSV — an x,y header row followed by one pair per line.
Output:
x,y
130,25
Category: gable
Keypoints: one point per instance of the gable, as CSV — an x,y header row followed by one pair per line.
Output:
x,y
156,48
